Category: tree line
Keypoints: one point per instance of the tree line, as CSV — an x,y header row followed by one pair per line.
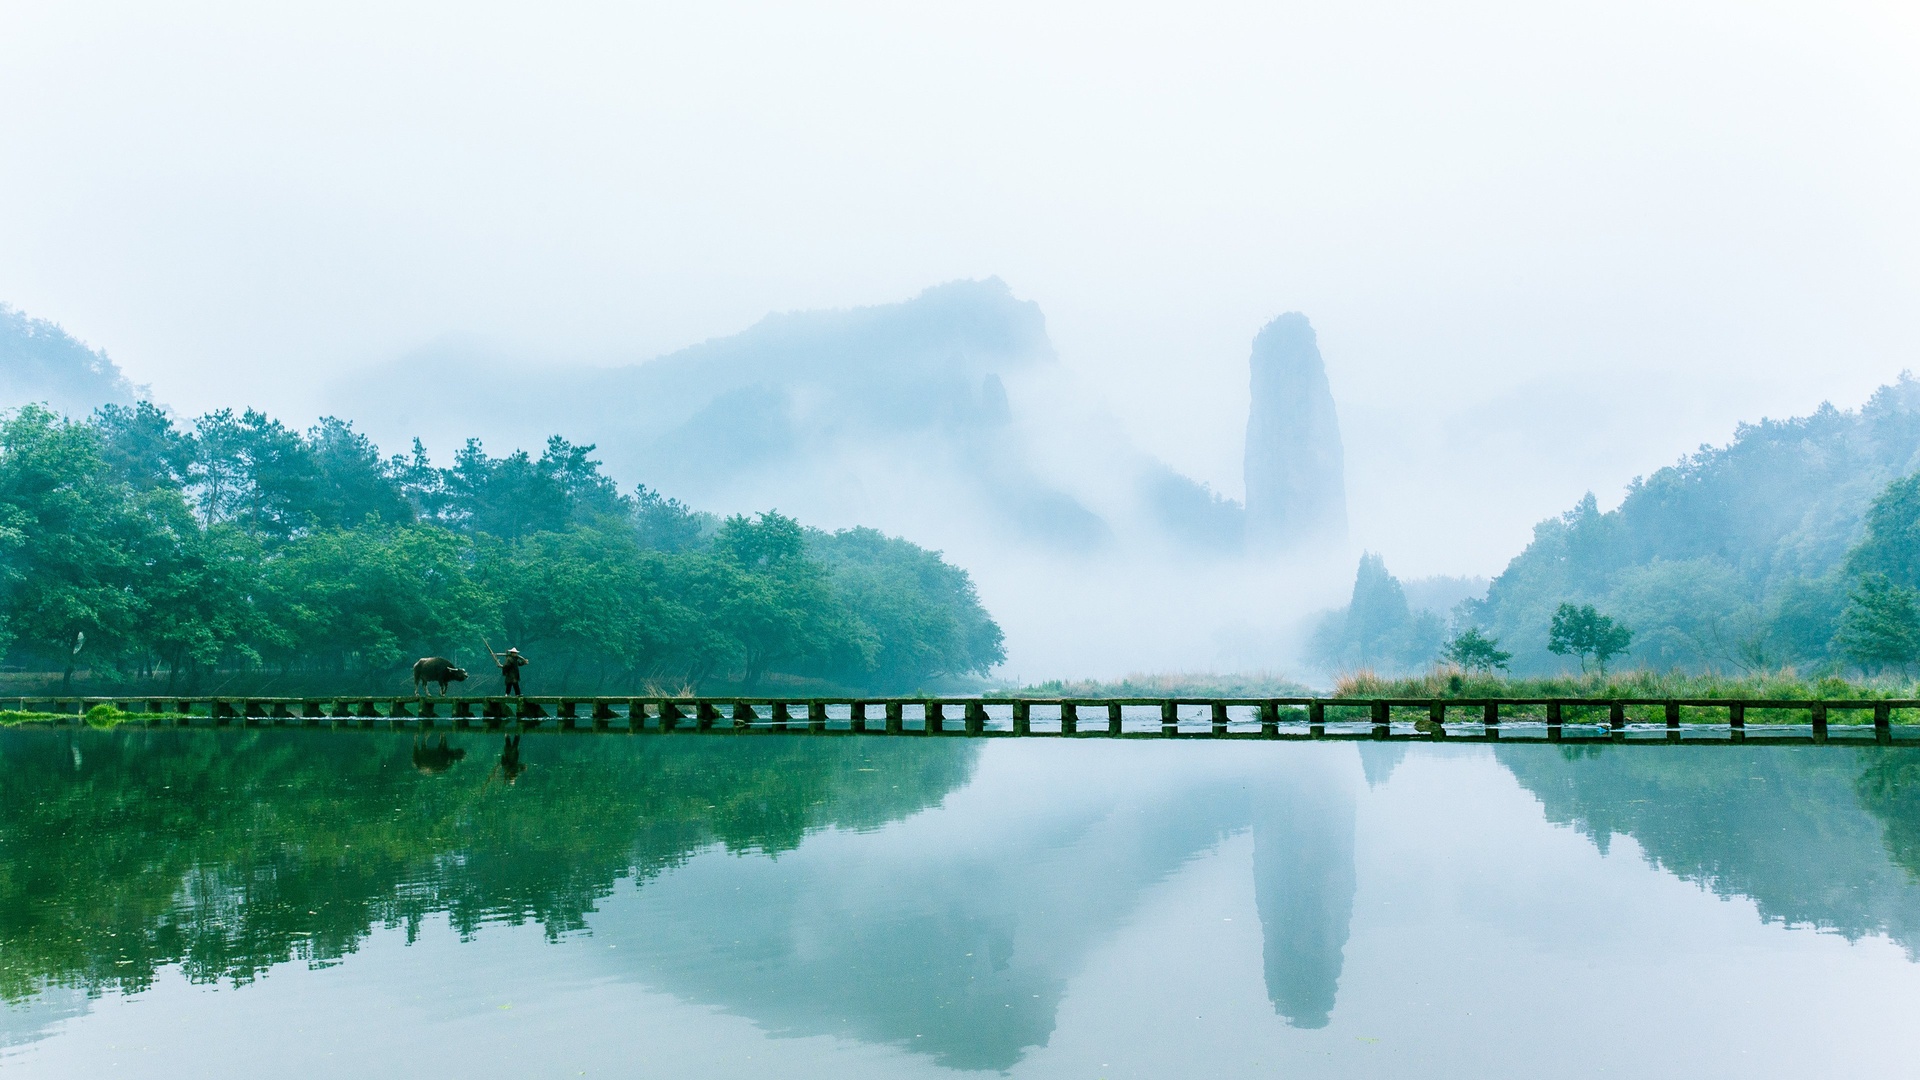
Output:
x,y
137,548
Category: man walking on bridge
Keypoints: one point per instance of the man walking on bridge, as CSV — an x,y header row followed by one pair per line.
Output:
x,y
510,666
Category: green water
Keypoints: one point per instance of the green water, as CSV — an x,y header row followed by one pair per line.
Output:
x,y
353,904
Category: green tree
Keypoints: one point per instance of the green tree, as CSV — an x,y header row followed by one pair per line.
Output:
x,y
922,612
371,598
1881,625
519,495
1890,544
72,535
782,608
1476,651
1582,632
1377,628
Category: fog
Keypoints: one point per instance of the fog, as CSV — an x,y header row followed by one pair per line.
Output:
x,y
1545,250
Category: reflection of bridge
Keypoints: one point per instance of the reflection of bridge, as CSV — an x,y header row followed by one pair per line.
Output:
x,y
1629,720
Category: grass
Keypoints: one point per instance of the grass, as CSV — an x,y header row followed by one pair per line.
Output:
x,y
100,716
1177,684
1784,684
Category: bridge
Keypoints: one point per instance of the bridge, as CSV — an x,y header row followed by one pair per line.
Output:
x,y
1636,720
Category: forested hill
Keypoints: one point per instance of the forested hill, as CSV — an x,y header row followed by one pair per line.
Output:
x,y
236,552
1737,556
41,362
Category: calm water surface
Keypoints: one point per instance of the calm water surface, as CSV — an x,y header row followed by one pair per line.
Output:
x,y
355,904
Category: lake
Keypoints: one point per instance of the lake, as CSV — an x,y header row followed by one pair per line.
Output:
x,y
366,904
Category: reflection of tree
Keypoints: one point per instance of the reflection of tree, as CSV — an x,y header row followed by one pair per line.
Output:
x,y
1822,835
229,852
1889,788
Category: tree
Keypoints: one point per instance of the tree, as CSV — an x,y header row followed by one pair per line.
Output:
x,y
519,495
72,535
782,608
1583,632
1891,543
1881,625
1377,627
922,612
1476,651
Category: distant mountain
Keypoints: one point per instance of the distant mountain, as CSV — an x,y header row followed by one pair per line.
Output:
x,y
40,362
946,417
1734,557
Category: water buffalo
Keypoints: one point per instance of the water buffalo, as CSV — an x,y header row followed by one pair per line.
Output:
x,y
435,669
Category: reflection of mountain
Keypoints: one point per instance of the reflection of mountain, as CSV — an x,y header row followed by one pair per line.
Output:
x,y
1304,884
1805,833
229,852
956,934
952,934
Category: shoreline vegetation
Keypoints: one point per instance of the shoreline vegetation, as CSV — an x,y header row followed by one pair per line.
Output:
x,y
234,555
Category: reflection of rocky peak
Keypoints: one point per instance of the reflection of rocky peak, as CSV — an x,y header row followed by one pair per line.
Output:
x,y
1295,465
963,949
1304,881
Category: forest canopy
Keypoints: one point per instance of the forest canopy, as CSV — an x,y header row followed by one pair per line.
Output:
x,y
138,548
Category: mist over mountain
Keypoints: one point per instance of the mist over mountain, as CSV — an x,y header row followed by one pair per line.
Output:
x,y
41,362
1795,544
946,417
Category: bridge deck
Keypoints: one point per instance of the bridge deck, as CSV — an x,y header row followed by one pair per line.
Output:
x,y
1636,720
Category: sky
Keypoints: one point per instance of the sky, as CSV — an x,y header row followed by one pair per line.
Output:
x,y
1547,247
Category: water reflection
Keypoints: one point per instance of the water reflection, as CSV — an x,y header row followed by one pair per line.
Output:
x,y
961,945
800,883
1814,836
1303,886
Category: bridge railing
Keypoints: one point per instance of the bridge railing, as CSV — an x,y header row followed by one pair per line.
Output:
x,y
1483,719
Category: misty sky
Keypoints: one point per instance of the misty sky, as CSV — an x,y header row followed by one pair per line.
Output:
x,y
1546,246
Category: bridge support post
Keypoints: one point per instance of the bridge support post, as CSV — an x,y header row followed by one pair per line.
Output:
x,y
669,715
1270,719
976,717
936,718
1553,721
816,716
1437,716
1316,719
1882,722
704,715
1069,718
1673,721
1219,718
1382,720
1819,720
1022,718
1617,721
1114,726
857,716
895,721
743,716
1737,721
1169,718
